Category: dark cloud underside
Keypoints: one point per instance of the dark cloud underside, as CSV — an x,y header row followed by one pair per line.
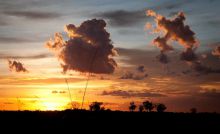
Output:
x,y
129,94
122,18
33,14
7,40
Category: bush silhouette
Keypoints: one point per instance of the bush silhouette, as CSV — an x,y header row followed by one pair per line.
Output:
x,y
148,106
95,106
132,106
161,107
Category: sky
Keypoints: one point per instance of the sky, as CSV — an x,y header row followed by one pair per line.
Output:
x,y
26,26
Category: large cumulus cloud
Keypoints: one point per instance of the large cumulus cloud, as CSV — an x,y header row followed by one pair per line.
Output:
x,y
88,49
174,30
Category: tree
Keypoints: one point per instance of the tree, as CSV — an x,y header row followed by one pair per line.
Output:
x,y
193,110
95,106
148,106
161,107
132,106
141,108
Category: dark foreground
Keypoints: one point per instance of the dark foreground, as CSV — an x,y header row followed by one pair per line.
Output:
x,y
108,121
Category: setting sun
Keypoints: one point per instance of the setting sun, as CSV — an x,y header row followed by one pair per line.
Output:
x,y
51,106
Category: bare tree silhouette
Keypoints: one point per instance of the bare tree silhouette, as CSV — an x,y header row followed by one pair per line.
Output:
x,y
161,107
148,106
95,106
132,106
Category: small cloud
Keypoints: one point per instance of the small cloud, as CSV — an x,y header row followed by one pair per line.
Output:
x,y
62,92
16,66
54,92
127,75
58,92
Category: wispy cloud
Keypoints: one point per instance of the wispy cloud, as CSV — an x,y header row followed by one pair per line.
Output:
x,y
132,93
33,14
126,18
58,92
37,56
122,18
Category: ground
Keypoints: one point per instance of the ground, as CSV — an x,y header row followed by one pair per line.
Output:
x,y
109,121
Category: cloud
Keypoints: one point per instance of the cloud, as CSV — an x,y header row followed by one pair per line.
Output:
x,y
58,92
127,75
188,55
134,57
216,51
169,5
16,66
132,93
137,56
140,76
33,14
174,30
88,49
199,67
37,56
126,18
122,18
161,43
133,76
15,40
210,94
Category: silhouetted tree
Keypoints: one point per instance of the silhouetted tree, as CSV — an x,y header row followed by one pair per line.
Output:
x,y
95,106
141,108
132,106
193,110
102,109
161,107
148,106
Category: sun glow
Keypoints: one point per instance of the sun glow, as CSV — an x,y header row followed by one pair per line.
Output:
x,y
51,106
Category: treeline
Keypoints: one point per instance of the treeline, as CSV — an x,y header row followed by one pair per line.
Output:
x,y
145,106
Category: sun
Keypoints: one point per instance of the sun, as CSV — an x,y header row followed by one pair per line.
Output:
x,y
51,106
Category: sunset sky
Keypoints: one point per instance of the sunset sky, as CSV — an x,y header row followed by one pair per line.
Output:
x,y
27,25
